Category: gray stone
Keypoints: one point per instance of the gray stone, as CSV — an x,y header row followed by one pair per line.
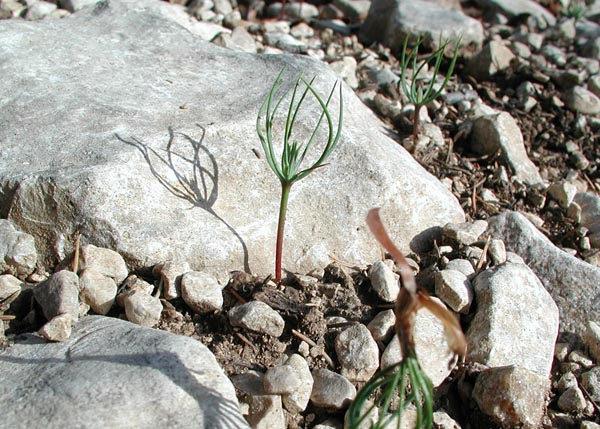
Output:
x,y
592,339
122,376
9,286
170,274
266,412
281,380
499,133
590,381
105,175
513,325
432,348
382,326
589,425
566,381
461,265
384,281
493,58
201,292
513,8
442,420
104,261
130,284
301,11
257,316
222,6
454,289
589,215
297,401
17,251
39,10
331,390
59,295
239,40
511,395
302,31
357,353
390,21
75,5
285,42
573,284
562,192
594,85
572,400
580,358
142,309
353,10
581,100
561,351
497,251
58,329
346,69
97,290
465,233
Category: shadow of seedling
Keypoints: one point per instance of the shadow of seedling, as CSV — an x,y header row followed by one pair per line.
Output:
x,y
191,180
217,411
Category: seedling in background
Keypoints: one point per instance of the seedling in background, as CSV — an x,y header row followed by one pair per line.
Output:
x,y
419,92
288,166
406,379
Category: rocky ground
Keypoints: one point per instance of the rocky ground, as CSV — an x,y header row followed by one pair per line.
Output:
x,y
516,129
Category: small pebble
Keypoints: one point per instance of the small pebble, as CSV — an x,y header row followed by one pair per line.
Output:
x,y
257,316
105,261
497,251
592,340
382,326
297,401
281,380
331,390
58,329
465,233
201,292
566,381
142,309
590,381
97,290
357,353
571,400
454,288
384,281
577,356
461,265
170,273
561,351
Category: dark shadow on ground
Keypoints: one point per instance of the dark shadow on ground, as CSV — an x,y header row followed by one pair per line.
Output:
x,y
195,183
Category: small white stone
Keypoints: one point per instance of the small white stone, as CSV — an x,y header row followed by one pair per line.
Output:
x,y
592,339
297,401
170,274
454,288
561,351
257,316
465,233
566,381
132,283
442,420
331,390
266,412
357,353
105,261
462,265
281,380
58,329
580,358
201,292
97,290
589,425
142,309
563,193
497,251
382,325
384,281
9,285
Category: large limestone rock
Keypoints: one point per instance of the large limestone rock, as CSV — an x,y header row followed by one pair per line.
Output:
x,y
111,373
130,129
390,21
573,284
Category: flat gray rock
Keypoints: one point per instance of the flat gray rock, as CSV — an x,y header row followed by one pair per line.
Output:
x,y
110,374
390,21
573,284
140,136
513,8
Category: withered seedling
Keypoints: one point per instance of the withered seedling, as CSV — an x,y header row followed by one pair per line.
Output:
x,y
406,379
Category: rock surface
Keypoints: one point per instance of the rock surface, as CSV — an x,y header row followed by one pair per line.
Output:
x,y
59,294
357,352
18,254
573,284
257,316
103,173
183,377
516,322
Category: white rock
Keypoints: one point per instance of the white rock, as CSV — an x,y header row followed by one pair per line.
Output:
x,y
499,133
492,59
581,100
39,10
573,284
512,395
431,346
281,380
513,325
592,339
382,325
297,401
497,251
130,284
461,265
442,420
59,295
58,329
105,261
127,376
301,11
563,193
17,251
257,316
561,351
331,390
9,285
590,381
580,358
465,233
357,353
266,412
346,69
170,273
201,291
454,289
384,281
142,309
97,290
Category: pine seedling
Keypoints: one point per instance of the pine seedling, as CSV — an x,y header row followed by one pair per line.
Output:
x,y
288,165
406,380
420,92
